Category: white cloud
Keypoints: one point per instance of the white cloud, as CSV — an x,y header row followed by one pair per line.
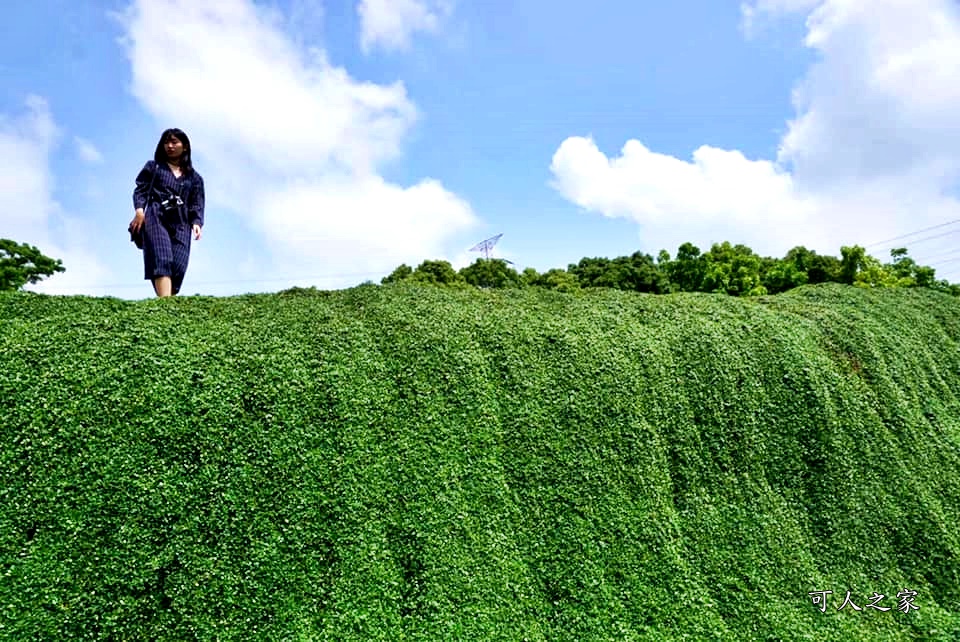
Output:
x,y
390,24
361,223
29,213
718,190
717,185
25,181
873,151
883,99
284,109
87,151
290,142
84,272
752,14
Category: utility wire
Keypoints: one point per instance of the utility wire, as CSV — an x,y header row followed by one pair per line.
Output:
x,y
927,229
937,257
928,238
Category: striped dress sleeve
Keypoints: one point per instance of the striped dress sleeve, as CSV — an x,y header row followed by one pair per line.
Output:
x,y
195,200
143,184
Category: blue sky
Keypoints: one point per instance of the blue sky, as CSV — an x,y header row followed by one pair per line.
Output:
x,y
338,139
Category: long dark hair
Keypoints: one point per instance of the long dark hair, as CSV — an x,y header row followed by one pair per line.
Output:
x,y
160,156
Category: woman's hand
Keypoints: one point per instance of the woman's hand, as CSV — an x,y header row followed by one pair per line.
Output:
x,y
196,232
137,221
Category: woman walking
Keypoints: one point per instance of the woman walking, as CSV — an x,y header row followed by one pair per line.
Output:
x,y
168,202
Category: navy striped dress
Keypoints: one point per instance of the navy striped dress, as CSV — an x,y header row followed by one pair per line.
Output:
x,y
166,235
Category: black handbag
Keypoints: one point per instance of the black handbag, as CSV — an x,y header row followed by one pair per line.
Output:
x,y
137,237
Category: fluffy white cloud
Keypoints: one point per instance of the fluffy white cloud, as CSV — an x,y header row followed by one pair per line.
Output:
x,y
29,213
390,24
717,185
398,224
290,142
241,81
873,151
25,181
85,272
718,190
883,99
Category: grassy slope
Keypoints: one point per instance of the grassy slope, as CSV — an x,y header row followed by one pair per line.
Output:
x,y
415,463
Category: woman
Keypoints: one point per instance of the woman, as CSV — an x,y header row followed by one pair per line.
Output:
x,y
168,204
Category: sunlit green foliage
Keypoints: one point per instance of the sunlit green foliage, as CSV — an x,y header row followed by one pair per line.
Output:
x,y
728,269
437,273
491,273
637,272
21,264
420,462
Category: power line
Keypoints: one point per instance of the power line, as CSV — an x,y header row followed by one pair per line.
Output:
x,y
937,257
930,238
927,229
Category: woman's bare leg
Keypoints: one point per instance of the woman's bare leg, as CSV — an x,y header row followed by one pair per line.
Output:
x,y
162,285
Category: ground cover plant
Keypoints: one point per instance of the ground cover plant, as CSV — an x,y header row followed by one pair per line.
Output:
x,y
413,462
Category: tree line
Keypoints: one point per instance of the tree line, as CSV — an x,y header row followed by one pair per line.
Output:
x,y
735,270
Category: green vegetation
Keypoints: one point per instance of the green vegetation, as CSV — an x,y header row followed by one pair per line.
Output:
x,y
21,264
412,462
728,269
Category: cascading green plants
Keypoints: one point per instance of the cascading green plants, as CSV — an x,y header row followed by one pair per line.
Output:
x,y
411,462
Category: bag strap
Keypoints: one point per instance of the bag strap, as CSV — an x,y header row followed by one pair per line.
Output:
x,y
153,177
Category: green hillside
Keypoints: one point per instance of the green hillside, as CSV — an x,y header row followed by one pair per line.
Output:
x,y
410,462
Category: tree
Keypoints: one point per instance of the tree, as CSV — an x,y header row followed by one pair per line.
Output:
x,y
853,260
530,277
732,269
403,271
780,275
491,273
642,274
637,272
590,272
437,272
561,280
552,279
21,264
873,274
908,271
819,268
686,272
945,286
